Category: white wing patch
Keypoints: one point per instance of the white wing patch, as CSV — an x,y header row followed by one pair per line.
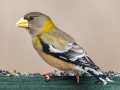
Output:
x,y
54,50
77,57
72,47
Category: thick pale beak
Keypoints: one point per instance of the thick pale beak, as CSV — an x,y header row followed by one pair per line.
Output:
x,y
22,23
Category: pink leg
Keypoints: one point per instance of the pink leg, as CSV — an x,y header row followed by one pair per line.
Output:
x,y
46,74
77,77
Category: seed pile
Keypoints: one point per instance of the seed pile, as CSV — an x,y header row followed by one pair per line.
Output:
x,y
57,73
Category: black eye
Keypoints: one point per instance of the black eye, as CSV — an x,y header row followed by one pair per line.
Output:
x,y
31,18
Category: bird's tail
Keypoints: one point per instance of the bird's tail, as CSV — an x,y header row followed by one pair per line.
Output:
x,y
99,75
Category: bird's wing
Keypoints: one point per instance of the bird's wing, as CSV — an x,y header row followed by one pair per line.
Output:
x,y
72,53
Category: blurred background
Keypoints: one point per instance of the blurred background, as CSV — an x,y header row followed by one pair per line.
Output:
x,y
95,24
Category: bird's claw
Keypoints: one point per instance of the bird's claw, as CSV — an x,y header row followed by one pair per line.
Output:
x,y
47,78
46,74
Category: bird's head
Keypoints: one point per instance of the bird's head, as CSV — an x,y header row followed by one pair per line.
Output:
x,y
35,23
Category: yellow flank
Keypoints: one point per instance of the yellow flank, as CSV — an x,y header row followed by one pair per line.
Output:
x,y
36,43
48,26
57,63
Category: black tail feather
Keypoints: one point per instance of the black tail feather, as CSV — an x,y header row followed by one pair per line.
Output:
x,y
98,74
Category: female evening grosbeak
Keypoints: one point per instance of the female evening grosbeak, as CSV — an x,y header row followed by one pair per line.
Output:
x,y
57,48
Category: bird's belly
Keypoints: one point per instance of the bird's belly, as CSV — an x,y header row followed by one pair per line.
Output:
x,y
57,63
53,61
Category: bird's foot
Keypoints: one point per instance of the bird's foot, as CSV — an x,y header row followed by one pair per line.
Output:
x,y
47,73
77,77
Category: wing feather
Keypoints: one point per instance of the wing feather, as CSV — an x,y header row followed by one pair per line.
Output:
x,y
76,55
73,54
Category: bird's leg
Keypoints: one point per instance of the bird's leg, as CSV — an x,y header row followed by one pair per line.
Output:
x,y
77,77
47,73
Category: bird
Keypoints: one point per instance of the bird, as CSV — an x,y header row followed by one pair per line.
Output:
x,y
57,48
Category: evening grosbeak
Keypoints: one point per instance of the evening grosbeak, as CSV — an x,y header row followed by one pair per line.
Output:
x,y
57,48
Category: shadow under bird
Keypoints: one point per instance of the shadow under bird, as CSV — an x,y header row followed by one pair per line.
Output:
x,y
57,48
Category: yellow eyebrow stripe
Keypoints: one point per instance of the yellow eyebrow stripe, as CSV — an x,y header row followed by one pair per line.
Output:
x,y
48,26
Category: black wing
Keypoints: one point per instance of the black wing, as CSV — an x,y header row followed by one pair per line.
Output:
x,y
73,54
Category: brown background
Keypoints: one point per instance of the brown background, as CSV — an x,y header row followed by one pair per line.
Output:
x,y
95,24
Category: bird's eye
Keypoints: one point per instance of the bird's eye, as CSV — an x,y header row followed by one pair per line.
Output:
x,y
31,18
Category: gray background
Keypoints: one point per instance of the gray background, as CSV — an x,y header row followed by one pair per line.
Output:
x,y
95,24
